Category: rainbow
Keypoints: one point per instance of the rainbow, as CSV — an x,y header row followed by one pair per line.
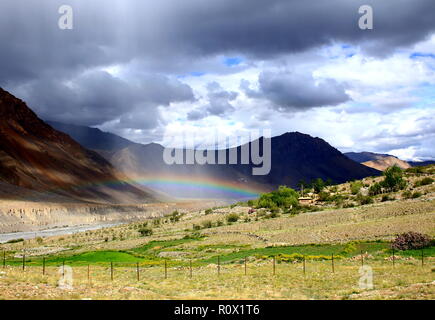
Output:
x,y
165,184
208,185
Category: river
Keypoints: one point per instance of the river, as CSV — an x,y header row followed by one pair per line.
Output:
x,y
5,237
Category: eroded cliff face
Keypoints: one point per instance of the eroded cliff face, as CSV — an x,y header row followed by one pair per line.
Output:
x,y
19,216
35,156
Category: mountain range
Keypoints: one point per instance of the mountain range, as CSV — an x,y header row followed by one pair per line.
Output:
x,y
35,157
295,157
87,164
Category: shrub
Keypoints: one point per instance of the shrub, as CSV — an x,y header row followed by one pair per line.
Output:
x,y
411,241
349,248
355,187
407,194
175,216
324,196
394,180
363,200
196,227
416,195
207,224
233,217
282,198
208,211
318,185
145,232
424,182
386,197
375,189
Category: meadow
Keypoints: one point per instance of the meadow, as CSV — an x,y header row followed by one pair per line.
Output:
x,y
211,254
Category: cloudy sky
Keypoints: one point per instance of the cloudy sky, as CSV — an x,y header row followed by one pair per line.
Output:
x,y
149,69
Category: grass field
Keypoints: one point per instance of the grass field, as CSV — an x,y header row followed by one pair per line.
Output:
x,y
355,236
406,280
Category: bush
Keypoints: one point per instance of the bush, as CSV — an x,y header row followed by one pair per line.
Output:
x,y
411,241
416,195
144,232
407,194
349,248
363,200
386,197
233,217
207,224
394,180
324,196
355,187
375,189
175,216
318,185
208,211
282,198
424,182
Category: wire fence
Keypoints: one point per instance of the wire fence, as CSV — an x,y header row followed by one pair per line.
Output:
x,y
141,269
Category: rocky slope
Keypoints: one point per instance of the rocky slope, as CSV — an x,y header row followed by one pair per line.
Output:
x,y
36,157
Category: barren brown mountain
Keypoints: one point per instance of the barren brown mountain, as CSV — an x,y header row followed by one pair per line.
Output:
x,y
35,156
386,162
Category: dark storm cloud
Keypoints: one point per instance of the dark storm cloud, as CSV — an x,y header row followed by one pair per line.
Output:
x,y
38,60
169,31
297,91
96,97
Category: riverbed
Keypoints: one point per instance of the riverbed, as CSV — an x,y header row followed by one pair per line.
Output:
x,y
5,237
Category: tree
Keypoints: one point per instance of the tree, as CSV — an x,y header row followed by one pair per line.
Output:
x,y
393,180
375,189
355,187
318,185
145,232
284,197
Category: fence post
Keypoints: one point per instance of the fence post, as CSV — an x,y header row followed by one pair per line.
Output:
x,y
304,266
43,266
274,265
89,273
24,262
137,271
166,269
219,265
246,267
333,267
63,269
111,271
362,259
422,257
4,259
394,258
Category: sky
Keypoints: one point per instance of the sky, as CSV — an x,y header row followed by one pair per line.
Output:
x,y
150,70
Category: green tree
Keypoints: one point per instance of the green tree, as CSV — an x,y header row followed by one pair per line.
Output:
x,y
355,187
375,189
318,185
394,180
